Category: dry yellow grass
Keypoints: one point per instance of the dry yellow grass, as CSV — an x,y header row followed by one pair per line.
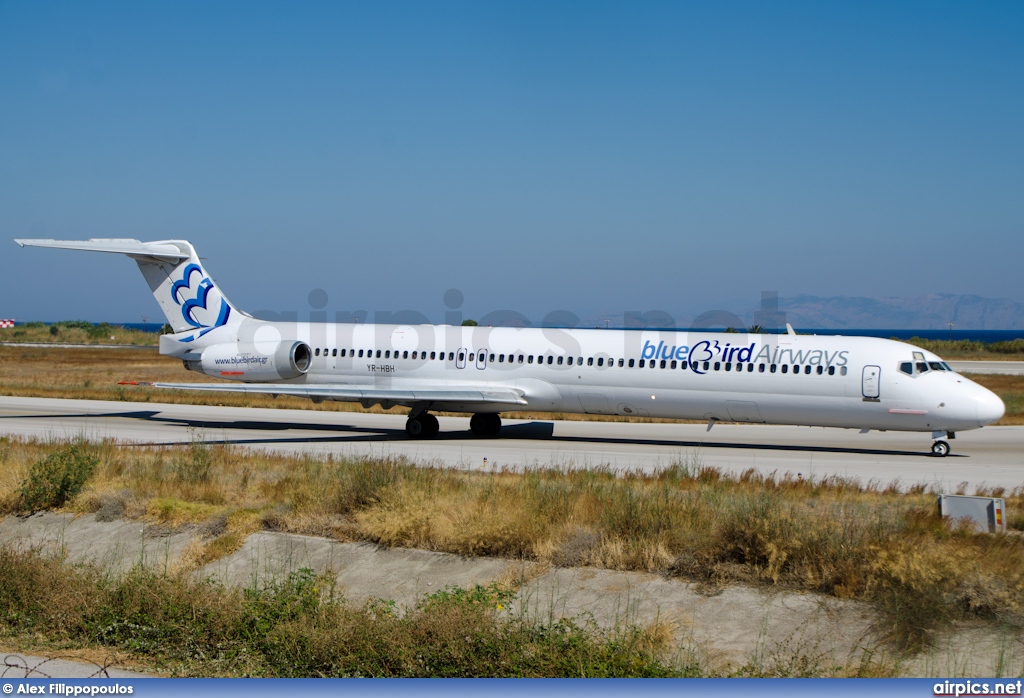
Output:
x,y
834,536
94,374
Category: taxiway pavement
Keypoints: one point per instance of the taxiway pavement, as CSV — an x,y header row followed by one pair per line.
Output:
x,y
991,457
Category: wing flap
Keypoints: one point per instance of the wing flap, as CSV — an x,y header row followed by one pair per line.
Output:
x,y
349,393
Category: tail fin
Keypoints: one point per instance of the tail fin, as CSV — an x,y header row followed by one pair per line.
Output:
x,y
185,292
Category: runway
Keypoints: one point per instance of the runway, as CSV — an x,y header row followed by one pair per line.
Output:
x,y
993,457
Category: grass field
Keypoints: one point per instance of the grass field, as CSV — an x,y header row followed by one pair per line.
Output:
x,y
834,536
94,374
78,332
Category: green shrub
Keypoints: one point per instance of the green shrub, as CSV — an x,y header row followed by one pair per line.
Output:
x,y
57,478
75,325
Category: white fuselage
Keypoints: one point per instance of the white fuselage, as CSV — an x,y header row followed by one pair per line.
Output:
x,y
827,381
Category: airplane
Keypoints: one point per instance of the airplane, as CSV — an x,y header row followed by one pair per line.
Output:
x,y
864,383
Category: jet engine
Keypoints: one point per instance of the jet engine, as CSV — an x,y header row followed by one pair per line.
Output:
x,y
290,359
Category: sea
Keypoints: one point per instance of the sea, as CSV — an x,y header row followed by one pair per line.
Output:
x,y
987,336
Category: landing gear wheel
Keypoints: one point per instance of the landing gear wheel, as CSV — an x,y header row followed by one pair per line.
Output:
x,y
485,425
424,426
940,449
430,425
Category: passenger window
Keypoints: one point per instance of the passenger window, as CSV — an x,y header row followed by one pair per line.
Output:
x,y
707,365
672,365
807,370
334,352
387,354
718,365
750,368
378,353
590,361
785,368
642,363
774,367
796,369
728,365
622,362
451,356
821,370
405,355
922,367
760,368
842,371
653,363
316,352
551,360
521,358
501,358
907,367
663,363
529,359
632,362
433,356
561,360
831,370
682,365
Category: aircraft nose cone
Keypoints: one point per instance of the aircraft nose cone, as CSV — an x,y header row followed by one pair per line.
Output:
x,y
990,408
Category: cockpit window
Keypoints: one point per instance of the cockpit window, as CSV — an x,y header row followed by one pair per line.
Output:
x,y
946,366
907,367
935,366
922,367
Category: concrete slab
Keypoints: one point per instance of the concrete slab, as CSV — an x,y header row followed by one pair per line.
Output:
x,y
26,666
363,570
114,546
737,626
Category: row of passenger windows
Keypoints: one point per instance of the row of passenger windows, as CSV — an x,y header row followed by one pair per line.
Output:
x,y
590,361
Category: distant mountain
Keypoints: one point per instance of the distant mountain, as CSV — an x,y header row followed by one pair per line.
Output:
x,y
931,312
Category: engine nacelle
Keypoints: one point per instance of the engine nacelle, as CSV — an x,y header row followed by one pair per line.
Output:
x,y
290,359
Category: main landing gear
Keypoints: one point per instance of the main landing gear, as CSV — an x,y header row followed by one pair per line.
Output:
x,y
425,426
485,425
422,426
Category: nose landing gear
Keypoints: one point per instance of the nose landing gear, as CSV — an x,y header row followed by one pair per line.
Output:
x,y
422,426
940,449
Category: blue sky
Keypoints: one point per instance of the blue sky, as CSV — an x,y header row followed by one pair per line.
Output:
x,y
536,156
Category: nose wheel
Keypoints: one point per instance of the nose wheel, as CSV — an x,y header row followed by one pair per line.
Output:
x,y
940,449
422,426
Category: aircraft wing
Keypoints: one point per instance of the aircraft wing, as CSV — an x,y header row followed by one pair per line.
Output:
x,y
356,393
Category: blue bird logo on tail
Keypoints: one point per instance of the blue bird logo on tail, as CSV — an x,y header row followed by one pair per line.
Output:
x,y
199,305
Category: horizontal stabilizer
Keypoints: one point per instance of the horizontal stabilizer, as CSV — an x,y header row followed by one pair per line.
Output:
x,y
355,393
132,248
